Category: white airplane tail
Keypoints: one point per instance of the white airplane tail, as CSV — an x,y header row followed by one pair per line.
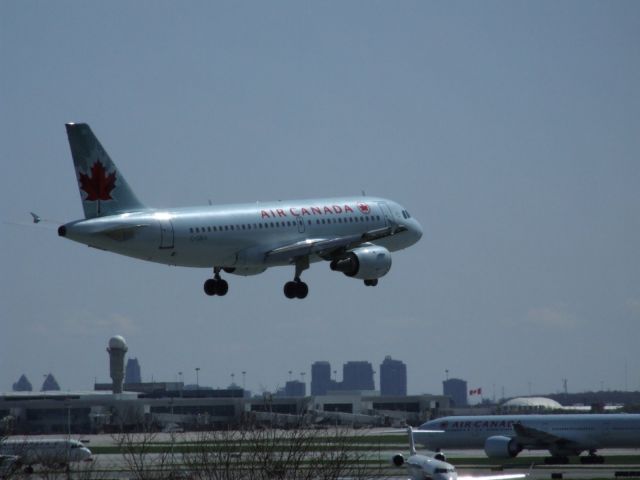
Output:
x,y
103,189
412,443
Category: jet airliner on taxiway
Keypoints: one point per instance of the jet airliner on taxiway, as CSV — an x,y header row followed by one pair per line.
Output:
x,y
563,435
354,234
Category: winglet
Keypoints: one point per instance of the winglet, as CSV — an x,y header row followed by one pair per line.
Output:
x,y
36,217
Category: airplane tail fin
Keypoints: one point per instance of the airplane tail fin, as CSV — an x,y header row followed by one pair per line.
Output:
x,y
103,189
412,443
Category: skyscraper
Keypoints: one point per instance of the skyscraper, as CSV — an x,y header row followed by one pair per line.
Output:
x,y
320,378
50,383
357,376
295,388
23,384
393,377
457,390
132,371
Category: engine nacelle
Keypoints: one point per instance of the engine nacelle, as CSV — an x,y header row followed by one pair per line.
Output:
x,y
397,460
366,262
500,446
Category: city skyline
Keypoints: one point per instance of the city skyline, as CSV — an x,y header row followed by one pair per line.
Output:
x,y
508,130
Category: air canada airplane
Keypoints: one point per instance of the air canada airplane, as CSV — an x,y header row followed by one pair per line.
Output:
x,y
563,435
51,452
435,467
354,234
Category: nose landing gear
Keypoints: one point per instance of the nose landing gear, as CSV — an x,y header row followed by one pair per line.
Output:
x,y
216,285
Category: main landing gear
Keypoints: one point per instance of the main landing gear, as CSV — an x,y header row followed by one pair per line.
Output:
x,y
592,458
216,285
371,283
297,288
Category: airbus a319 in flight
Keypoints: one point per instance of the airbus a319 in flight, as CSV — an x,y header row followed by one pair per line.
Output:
x,y
355,235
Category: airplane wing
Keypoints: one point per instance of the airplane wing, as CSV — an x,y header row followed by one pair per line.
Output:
x,y
325,247
532,437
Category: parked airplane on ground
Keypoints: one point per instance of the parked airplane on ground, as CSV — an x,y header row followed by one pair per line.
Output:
x,y
354,234
423,467
57,452
563,435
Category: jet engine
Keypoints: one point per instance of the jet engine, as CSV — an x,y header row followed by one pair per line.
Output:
x,y
397,460
367,262
500,446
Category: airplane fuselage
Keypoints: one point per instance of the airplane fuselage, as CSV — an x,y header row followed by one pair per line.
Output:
x,y
236,236
354,234
584,431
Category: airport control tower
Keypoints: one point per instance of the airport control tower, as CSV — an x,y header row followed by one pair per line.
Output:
x,y
117,349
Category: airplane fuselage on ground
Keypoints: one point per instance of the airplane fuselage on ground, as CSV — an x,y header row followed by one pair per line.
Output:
x,y
504,436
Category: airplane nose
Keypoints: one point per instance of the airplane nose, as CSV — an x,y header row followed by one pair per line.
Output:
x,y
417,230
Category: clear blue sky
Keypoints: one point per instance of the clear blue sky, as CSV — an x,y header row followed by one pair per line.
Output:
x,y
511,130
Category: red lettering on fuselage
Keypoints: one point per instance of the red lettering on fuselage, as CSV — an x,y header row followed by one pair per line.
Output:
x,y
293,211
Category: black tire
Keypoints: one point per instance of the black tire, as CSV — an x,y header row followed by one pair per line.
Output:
x,y
302,290
290,290
222,287
210,287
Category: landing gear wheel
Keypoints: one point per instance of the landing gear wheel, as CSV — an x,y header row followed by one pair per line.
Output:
x,y
290,290
210,287
216,285
222,287
371,283
296,289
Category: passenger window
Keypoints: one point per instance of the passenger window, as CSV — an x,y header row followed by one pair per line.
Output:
x,y
226,228
309,222
191,230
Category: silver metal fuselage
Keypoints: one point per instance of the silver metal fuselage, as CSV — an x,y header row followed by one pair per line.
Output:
x,y
239,236
591,431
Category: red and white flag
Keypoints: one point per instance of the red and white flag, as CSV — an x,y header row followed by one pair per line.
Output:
x,y
476,391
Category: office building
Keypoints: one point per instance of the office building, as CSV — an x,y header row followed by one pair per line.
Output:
x,y
456,389
393,377
132,371
357,375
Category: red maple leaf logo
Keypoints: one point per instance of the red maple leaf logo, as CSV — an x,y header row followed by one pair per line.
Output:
x,y
99,185
364,208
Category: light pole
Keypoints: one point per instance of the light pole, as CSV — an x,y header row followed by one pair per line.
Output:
x,y
244,374
197,378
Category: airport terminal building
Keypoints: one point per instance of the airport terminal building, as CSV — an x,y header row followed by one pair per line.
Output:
x,y
168,405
